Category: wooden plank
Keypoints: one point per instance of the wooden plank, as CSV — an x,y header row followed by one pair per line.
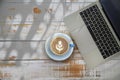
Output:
x,y
48,69
43,69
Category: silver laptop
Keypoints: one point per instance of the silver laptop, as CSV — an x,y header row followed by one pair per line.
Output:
x,y
96,31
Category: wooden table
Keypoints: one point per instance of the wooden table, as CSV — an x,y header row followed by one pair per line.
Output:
x,y
24,27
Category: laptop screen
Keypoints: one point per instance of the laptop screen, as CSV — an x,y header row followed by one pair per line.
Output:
x,y
112,10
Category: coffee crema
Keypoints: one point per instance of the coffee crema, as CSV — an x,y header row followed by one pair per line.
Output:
x,y
59,45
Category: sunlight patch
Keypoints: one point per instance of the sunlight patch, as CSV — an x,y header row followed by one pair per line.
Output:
x,y
26,27
39,2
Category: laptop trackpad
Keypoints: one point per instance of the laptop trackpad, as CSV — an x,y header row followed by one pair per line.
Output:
x,y
83,40
117,58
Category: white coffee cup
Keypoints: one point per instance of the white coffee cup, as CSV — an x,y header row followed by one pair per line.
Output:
x,y
59,45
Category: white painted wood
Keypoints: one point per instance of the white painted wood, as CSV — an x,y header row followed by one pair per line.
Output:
x,y
24,27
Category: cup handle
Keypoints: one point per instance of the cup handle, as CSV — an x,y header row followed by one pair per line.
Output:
x,y
72,45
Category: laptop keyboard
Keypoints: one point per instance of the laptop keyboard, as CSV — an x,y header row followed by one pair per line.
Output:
x,y
100,31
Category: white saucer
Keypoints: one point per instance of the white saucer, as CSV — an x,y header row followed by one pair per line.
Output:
x,y
59,57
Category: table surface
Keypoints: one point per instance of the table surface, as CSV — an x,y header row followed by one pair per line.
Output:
x,y
25,25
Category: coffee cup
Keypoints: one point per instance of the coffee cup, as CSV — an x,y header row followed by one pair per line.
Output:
x,y
59,45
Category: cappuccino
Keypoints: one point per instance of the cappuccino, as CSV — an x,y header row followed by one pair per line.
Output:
x,y
59,45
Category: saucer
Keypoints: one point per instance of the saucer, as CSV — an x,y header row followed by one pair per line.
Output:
x,y
59,57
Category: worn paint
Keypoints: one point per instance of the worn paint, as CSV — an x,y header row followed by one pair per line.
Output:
x,y
73,0
14,30
11,8
50,10
5,75
73,69
20,25
10,17
36,10
39,30
12,57
7,64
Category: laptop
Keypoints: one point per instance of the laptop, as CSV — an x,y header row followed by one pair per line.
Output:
x,y
96,31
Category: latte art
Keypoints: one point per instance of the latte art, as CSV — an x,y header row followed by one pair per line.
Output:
x,y
59,45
